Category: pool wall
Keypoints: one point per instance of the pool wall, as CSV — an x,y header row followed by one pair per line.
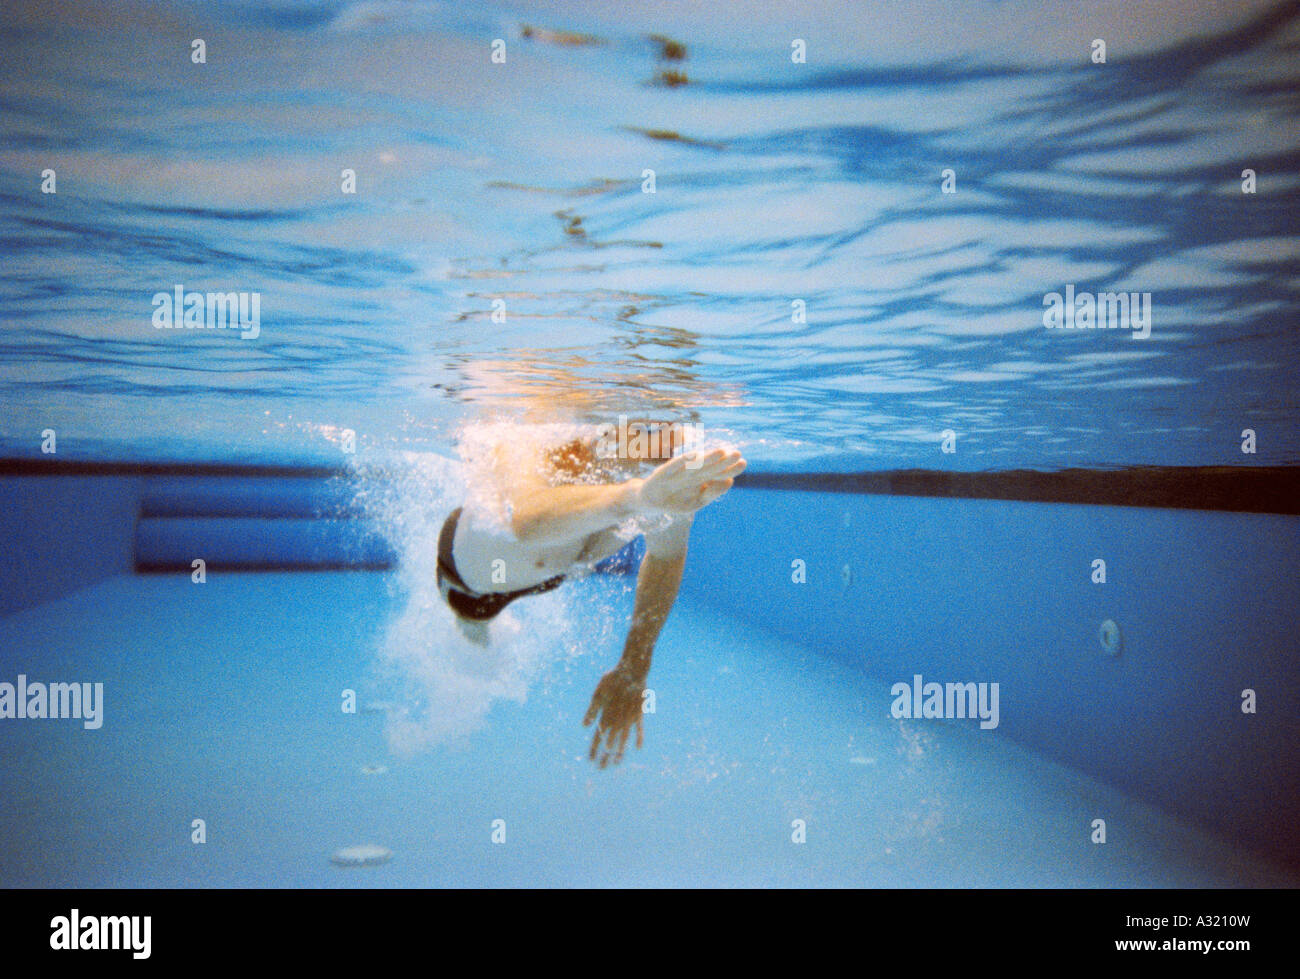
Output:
x,y
994,591
61,533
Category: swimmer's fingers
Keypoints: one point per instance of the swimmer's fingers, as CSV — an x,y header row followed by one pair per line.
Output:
x,y
598,700
675,484
711,491
709,465
612,753
640,733
732,469
595,743
674,466
729,466
697,464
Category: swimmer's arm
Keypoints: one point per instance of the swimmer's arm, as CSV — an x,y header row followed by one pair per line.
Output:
x,y
657,584
544,514
617,701
541,513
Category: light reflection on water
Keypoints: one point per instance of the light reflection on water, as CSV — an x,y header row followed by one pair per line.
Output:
x,y
523,183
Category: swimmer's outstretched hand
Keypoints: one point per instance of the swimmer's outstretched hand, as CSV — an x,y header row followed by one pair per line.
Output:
x,y
691,481
617,701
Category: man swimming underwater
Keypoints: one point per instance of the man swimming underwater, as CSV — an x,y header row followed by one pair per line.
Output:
x,y
558,521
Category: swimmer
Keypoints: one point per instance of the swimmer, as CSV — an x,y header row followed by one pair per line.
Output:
x,y
559,527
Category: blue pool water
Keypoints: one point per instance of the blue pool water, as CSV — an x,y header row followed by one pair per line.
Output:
x,y
444,246
775,182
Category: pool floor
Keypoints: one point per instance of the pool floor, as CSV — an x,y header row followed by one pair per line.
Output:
x,y
223,702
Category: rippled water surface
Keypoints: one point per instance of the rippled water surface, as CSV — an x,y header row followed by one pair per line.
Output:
x,y
521,187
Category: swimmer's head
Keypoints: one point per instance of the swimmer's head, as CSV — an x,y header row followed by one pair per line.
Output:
x,y
643,440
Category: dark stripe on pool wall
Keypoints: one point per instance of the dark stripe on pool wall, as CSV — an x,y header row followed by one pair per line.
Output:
x,y
64,467
1274,489
1241,489
184,568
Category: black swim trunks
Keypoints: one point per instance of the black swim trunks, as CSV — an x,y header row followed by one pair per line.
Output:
x,y
464,601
